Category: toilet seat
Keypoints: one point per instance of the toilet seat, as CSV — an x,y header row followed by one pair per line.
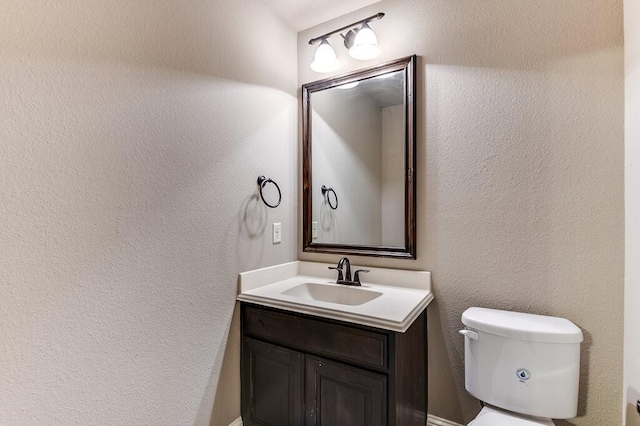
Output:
x,y
492,416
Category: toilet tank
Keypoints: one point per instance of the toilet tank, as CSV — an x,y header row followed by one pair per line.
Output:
x,y
529,364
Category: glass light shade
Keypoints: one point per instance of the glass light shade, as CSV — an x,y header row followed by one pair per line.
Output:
x,y
325,59
365,45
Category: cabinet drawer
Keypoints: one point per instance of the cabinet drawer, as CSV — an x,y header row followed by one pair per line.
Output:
x,y
317,336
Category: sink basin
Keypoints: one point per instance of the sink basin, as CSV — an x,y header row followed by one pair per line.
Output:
x,y
332,293
389,299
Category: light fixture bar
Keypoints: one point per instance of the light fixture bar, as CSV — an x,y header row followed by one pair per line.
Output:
x,y
347,27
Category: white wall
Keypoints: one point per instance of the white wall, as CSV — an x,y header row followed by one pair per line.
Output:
x,y
131,137
347,157
520,173
631,391
393,167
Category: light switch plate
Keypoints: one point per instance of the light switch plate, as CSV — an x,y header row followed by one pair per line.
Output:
x,y
314,230
277,233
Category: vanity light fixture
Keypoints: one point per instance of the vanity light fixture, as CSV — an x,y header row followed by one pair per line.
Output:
x,y
325,59
365,46
359,39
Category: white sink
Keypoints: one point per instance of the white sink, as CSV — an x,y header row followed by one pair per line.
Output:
x,y
390,299
332,293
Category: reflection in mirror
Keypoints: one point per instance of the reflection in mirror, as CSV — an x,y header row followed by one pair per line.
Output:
x,y
358,151
359,143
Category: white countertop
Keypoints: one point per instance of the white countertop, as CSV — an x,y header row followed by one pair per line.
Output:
x,y
403,295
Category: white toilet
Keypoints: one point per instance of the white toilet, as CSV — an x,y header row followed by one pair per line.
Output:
x,y
524,367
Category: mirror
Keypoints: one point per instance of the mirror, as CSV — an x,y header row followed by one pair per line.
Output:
x,y
359,162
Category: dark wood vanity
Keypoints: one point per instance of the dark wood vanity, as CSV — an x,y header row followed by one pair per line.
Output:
x,y
304,370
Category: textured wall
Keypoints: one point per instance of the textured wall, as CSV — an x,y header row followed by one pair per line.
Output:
x,y
631,389
131,136
520,173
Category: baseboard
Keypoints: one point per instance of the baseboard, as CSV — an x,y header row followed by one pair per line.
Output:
x,y
237,422
431,421
438,421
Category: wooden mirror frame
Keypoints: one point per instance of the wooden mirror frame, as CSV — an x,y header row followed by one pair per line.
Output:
x,y
408,65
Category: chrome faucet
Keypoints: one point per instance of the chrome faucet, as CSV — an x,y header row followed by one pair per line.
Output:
x,y
345,278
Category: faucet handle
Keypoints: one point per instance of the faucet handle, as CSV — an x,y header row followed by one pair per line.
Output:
x,y
356,276
340,277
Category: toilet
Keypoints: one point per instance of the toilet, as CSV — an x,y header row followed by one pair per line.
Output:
x,y
525,368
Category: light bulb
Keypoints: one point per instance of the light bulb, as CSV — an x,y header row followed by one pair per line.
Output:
x,y
365,45
325,59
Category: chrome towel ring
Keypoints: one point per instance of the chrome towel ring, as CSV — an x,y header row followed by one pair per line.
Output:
x,y
326,191
262,182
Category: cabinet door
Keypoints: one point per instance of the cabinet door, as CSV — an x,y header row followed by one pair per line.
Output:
x,y
272,390
337,394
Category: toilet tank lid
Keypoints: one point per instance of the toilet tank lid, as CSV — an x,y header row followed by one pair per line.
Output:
x,y
521,326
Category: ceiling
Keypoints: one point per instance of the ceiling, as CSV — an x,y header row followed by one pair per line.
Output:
x,y
303,14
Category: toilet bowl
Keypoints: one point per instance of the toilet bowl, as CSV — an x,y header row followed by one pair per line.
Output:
x,y
493,416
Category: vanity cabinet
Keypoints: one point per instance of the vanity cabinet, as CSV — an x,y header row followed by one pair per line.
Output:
x,y
304,370
337,394
275,384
